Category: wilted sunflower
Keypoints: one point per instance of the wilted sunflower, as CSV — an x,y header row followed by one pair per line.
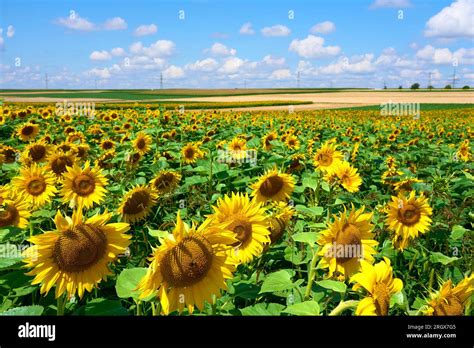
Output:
x,y
165,181
346,242
35,184
28,131
189,267
378,281
59,161
191,153
248,222
347,176
13,211
449,300
281,214
76,256
142,143
137,203
407,218
274,186
327,157
84,187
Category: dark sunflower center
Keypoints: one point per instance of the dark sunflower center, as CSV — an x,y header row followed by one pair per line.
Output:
x,y
164,181
348,243
80,248
59,164
27,130
324,159
137,202
37,152
8,216
451,305
381,295
271,186
141,143
36,186
409,214
189,152
188,262
107,145
83,185
242,230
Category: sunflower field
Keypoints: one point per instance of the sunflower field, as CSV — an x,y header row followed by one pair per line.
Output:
x,y
146,211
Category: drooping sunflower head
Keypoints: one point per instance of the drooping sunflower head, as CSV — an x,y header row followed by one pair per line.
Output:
x,y
189,267
82,187
76,256
142,143
405,186
273,185
280,216
36,185
346,241
450,300
165,181
14,211
28,131
407,218
346,175
267,140
378,282
247,220
327,157
137,203
191,152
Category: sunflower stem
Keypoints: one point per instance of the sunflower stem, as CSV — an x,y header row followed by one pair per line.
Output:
x,y
61,304
311,275
155,308
139,308
342,306
214,305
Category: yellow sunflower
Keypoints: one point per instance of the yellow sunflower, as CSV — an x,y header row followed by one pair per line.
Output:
x,y
345,175
84,187
407,218
165,181
13,211
142,143
267,140
247,220
450,301
191,152
327,157
237,148
378,281
292,142
137,203
189,267
28,131
281,214
274,186
36,152
76,256
346,242
35,184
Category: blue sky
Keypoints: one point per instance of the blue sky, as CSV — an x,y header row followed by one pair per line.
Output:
x,y
128,44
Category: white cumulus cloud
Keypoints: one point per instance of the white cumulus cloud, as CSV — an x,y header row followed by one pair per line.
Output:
x,y
144,29
76,22
10,31
390,4
173,72
219,49
280,74
100,55
247,29
207,65
313,47
115,23
276,30
323,28
454,21
117,51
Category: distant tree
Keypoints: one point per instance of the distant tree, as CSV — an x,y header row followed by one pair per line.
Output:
x,y
430,87
447,87
400,87
415,86
466,87
384,87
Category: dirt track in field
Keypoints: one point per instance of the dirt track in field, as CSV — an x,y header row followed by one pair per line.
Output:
x,y
319,100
